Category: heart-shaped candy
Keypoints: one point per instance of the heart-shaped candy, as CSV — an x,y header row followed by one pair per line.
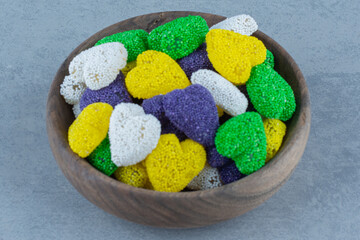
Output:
x,y
230,173
208,178
132,133
193,111
72,89
214,158
155,73
233,55
98,66
100,158
155,107
135,42
113,94
172,165
226,95
275,131
271,95
134,175
179,37
195,61
243,24
242,138
89,129
129,66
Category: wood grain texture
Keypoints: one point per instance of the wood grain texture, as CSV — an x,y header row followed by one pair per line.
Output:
x,y
184,209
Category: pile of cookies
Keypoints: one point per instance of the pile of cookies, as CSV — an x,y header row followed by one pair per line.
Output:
x,y
181,107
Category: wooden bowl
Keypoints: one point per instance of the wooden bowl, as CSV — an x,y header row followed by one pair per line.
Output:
x,y
183,209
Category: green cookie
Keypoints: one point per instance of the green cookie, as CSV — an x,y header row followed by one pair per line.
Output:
x,y
242,138
100,158
135,42
270,94
269,59
179,37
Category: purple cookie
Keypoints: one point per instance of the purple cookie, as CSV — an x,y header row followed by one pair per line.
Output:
x,y
113,94
195,61
193,111
154,106
214,158
230,173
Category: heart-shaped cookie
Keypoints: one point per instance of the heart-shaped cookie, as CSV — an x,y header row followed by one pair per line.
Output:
x,y
132,133
135,42
230,173
98,66
100,158
271,95
242,138
89,129
226,95
208,178
113,94
134,175
233,55
155,107
193,111
155,73
172,165
195,61
214,158
179,37
275,131
243,24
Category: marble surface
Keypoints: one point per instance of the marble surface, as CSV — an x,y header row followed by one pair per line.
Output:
x,y
320,201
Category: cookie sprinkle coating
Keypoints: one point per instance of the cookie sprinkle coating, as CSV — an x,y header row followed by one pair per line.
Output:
x,y
113,94
242,138
179,37
233,55
275,131
135,42
133,175
100,158
89,129
270,94
155,73
172,165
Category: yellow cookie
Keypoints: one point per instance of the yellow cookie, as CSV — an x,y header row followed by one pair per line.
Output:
x,y
129,66
134,175
89,128
172,165
155,73
275,131
220,111
233,55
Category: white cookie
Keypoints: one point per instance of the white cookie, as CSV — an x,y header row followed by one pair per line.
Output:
x,y
226,95
243,24
208,178
72,90
132,134
98,66
76,109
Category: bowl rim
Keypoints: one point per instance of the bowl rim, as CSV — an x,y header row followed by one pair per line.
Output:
x,y
301,132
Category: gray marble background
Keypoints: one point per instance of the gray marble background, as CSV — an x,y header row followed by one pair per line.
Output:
x,y
320,201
